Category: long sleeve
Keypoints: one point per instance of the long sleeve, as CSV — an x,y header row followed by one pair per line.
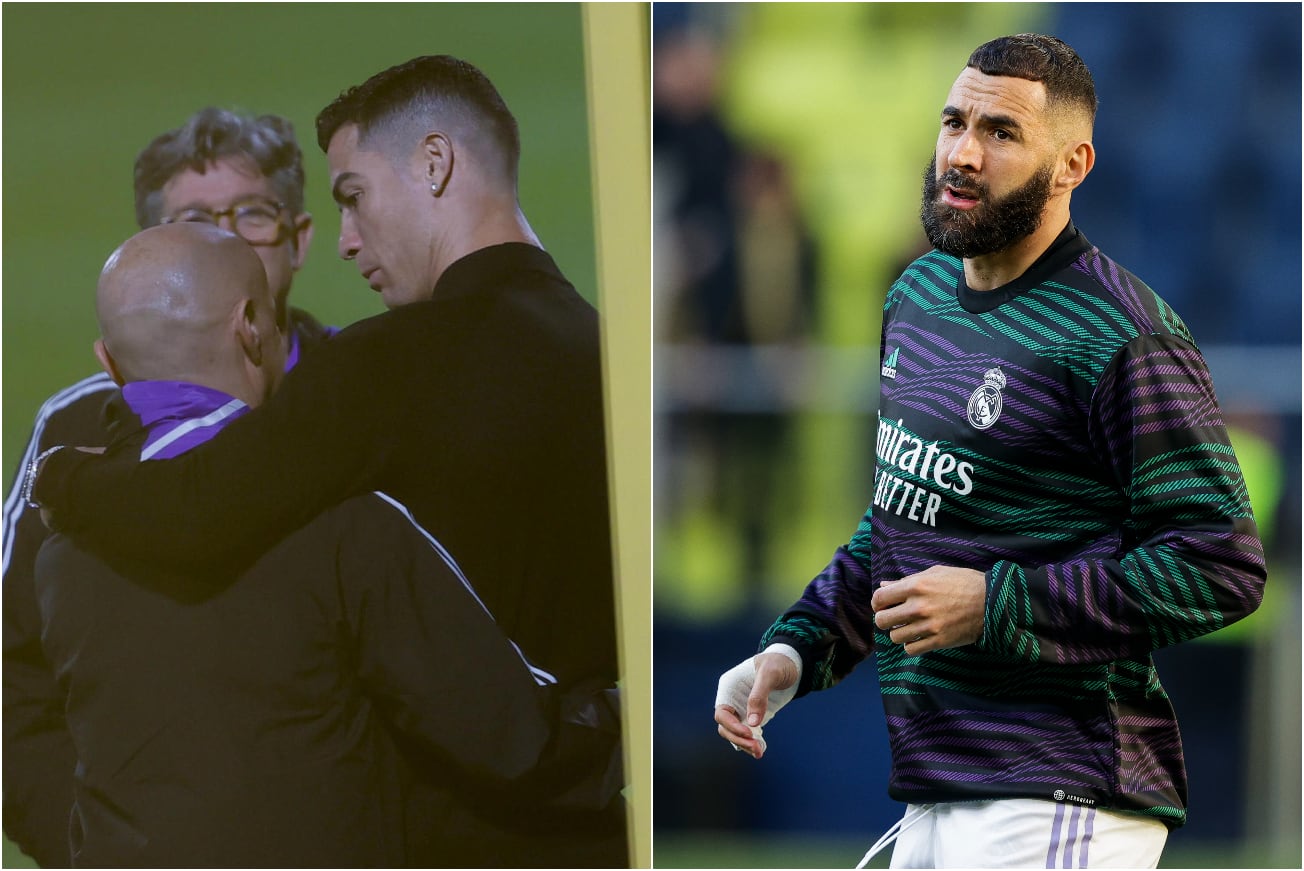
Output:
x,y
1189,560
831,625
440,668
507,773
39,756
447,677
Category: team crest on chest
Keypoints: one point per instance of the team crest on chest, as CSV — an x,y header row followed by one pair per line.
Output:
x,y
985,402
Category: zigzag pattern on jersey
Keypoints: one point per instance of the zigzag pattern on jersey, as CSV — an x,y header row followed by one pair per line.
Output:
x,y
1017,748
1076,506
1037,751
1031,751
1075,329
1052,323
1149,750
1060,692
1190,595
974,672
1167,389
1149,599
1134,295
815,643
838,597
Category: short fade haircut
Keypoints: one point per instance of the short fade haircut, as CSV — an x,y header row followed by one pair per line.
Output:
x,y
1040,58
434,89
211,134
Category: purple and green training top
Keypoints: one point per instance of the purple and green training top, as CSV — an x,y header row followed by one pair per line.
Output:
x,y
1060,434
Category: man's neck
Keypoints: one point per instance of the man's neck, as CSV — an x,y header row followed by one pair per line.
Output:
x,y
494,226
998,269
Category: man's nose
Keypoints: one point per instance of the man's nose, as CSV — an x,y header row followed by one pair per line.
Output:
x,y
966,153
350,242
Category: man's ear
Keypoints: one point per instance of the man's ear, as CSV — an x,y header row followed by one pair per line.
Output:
x,y
436,161
106,360
300,239
245,317
1077,164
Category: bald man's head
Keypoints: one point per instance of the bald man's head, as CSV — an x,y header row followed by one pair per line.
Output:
x,y
186,302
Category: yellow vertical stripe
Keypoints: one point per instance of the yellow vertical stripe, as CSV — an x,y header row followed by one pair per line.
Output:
x,y
617,58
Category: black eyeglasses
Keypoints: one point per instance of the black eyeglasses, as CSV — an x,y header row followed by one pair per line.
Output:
x,y
258,223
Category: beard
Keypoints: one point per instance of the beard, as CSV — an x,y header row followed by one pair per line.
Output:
x,y
993,225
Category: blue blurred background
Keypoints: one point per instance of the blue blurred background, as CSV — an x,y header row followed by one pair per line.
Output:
x,y
789,142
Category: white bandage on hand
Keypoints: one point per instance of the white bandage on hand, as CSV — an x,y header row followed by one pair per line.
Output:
x,y
736,685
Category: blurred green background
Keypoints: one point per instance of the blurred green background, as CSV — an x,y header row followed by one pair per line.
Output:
x,y
87,86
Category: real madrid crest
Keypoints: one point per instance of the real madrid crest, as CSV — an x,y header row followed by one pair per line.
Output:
x,y
985,402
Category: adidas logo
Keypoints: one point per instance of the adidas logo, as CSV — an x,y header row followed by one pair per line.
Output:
x,y
889,365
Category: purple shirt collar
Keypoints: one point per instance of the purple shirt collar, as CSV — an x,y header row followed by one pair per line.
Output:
x,y
292,352
178,415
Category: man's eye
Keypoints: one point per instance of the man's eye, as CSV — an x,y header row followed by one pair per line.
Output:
x,y
256,214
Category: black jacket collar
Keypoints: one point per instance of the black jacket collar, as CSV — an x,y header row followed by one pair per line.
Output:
x,y
493,266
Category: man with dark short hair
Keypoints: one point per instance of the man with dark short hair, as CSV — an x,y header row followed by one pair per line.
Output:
x,y
241,172
476,401
1055,498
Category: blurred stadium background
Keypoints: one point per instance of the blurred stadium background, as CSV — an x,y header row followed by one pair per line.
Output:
x,y
788,145
87,86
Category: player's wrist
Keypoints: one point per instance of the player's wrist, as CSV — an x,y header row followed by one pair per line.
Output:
x,y
33,471
786,650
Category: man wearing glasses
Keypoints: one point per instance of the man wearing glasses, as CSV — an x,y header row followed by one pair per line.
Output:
x,y
239,172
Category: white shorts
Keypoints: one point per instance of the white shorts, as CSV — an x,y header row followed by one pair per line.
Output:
x,y
1025,833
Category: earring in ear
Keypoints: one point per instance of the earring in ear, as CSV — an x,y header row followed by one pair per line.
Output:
x,y
434,187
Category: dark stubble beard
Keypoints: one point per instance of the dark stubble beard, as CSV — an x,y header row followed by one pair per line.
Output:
x,y
993,225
